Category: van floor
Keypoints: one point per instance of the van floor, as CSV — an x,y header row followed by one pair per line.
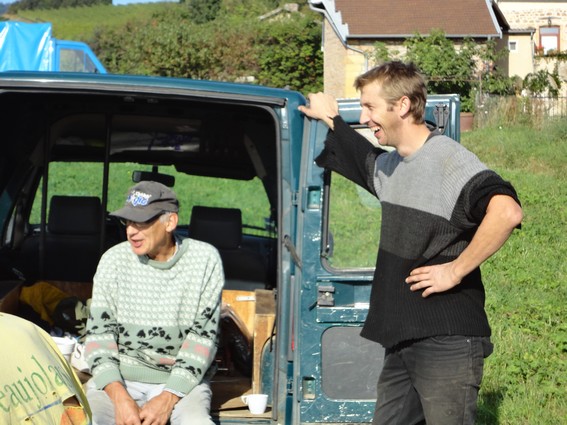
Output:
x,y
226,402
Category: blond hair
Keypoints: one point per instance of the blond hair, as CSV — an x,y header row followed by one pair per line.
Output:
x,y
398,79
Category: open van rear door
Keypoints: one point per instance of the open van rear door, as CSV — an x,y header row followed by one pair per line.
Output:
x,y
336,370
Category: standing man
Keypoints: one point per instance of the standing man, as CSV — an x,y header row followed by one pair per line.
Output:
x,y
153,325
443,214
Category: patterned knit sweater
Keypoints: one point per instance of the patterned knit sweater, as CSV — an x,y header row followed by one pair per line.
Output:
x,y
432,203
155,322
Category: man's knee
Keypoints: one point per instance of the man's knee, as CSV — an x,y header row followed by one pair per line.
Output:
x,y
194,408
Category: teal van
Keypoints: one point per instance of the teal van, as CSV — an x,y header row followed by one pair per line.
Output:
x,y
298,242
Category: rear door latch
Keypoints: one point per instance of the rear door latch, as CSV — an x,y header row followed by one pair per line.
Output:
x,y
441,114
325,296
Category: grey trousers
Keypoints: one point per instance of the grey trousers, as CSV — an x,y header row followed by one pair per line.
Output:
x,y
193,409
435,381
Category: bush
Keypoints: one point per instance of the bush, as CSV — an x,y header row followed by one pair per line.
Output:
x,y
283,53
202,11
171,45
290,56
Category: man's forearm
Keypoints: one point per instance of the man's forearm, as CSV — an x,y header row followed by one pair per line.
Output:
x,y
116,391
503,214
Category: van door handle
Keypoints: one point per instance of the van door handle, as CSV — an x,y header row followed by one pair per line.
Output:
x,y
293,252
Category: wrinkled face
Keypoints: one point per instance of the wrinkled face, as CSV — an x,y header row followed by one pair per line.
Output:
x,y
154,237
382,118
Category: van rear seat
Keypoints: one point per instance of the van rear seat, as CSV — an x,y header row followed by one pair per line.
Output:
x,y
72,241
244,269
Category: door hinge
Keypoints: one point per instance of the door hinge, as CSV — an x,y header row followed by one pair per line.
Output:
x,y
290,385
295,198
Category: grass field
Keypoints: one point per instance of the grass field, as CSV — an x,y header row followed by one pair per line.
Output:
x,y
526,281
79,23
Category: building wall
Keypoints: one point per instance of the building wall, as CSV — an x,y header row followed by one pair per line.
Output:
x,y
358,61
342,64
519,62
334,74
536,15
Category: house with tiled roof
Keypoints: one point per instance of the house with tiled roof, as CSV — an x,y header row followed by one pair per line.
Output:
x,y
546,20
352,27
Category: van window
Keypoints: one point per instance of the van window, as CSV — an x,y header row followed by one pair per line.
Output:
x,y
355,217
75,60
354,225
85,179
69,178
247,195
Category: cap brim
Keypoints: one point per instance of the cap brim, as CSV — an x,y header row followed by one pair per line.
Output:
x,y
137,215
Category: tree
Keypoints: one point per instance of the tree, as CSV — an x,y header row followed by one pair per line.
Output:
x,y
290,56
52,4
448,69
466,70
542,83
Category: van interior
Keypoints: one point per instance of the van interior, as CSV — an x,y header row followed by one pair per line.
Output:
x,y
73,155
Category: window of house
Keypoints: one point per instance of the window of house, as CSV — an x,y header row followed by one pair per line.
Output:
x,y
549,39
512,46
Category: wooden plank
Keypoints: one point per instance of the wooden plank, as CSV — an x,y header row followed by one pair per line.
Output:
x,y
243,303
264,320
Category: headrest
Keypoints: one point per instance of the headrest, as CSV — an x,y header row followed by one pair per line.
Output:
x,y
74,215
221,227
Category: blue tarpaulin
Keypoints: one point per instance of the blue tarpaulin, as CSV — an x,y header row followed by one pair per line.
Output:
x,y
25,47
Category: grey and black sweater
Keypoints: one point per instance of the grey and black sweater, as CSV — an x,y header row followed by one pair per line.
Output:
x,y
432,203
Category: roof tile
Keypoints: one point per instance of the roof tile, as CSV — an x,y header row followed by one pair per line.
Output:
x,y
406,17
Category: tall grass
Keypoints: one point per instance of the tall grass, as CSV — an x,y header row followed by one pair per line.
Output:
x,y
508,111
526,281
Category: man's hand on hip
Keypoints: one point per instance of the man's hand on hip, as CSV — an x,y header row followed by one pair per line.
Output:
x,y
433,279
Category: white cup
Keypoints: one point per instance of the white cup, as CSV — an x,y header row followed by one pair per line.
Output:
x,y
66,346
256,402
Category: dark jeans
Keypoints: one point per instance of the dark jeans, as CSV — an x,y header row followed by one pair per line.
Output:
x,y
434,381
